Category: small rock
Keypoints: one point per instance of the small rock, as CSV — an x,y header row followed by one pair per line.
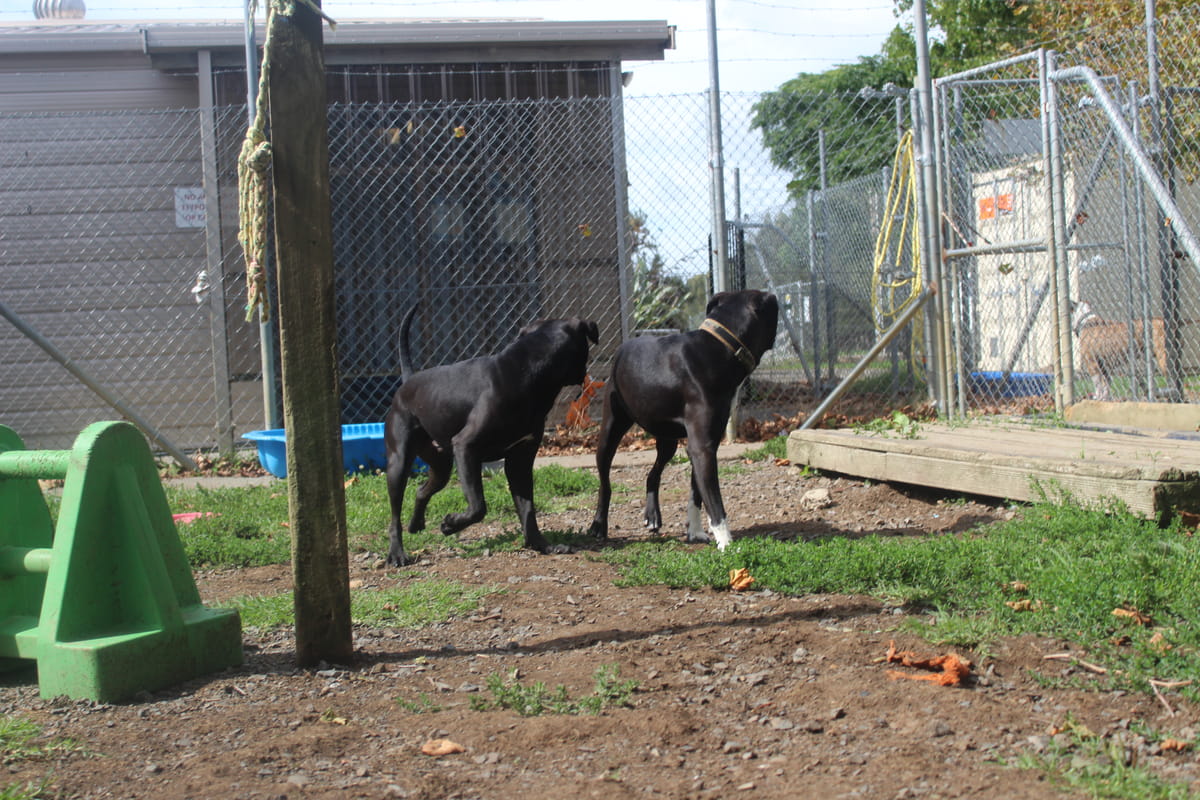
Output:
x,y
815,499
1038,744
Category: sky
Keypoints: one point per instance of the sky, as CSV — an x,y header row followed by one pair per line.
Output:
x,y
760,43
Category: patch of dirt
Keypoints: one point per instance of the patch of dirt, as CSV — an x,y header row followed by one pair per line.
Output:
x,y
741,694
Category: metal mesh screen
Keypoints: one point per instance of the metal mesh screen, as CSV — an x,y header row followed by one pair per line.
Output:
x,y
494,214
103,240
1023,192
123,284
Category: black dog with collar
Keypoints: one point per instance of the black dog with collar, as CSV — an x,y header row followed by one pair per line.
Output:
x,y
479,410
683,386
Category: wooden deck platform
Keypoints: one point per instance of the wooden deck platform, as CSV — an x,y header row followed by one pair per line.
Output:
x,y
1152,473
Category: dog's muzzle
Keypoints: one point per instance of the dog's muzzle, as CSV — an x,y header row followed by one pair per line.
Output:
x,y
731,341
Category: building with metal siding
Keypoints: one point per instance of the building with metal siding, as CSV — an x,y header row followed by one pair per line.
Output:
x,y
105,126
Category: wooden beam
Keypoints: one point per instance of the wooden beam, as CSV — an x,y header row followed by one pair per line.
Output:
x,y
308,338
1152,475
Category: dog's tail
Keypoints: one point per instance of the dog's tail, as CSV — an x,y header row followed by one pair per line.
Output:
x,y
406,368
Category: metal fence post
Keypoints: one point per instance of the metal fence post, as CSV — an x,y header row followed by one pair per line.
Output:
x,y
621,191
716,157
1060,288
933,224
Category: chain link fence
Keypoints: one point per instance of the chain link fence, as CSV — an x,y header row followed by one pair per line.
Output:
x,y
122,278
1067,274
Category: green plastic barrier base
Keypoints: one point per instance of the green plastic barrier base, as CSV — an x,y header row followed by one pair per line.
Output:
x,y
104,601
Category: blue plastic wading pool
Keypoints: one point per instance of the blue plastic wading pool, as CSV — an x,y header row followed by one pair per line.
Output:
x,y
1017,384
362,449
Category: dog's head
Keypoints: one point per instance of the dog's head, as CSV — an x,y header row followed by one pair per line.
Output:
x,y
752,315
1081,315
561,347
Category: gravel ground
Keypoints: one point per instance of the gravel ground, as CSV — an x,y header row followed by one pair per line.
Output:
x,y
740,694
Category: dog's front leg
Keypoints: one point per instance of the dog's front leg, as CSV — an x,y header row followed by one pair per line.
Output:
x,y
518,468
470,475
705,484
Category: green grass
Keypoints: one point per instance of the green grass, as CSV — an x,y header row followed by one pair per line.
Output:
x,y
775,447
22,740
536,699
250,524
1101,766
1073,565
411,605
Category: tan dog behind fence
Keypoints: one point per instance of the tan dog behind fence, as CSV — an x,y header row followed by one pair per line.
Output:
x,y
1108,349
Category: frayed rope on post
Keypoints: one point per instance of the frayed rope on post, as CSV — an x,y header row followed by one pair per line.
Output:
x,y
254,167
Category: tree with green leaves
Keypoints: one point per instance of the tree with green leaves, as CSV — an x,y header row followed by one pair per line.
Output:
x,y
661,300
858,131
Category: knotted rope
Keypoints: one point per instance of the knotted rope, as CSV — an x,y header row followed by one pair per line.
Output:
x,y
254,168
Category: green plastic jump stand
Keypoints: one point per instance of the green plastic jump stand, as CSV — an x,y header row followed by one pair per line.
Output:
x,y
105,601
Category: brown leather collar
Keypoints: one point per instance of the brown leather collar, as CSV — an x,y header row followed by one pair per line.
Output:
x,y
731,341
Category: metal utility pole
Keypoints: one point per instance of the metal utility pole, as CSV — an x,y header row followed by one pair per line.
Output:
x,y
718,249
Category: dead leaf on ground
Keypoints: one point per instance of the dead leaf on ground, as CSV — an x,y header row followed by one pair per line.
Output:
x,y
1160,643
1133,615
442,747
1173,745
740,579
954,669
1076,729
1024,605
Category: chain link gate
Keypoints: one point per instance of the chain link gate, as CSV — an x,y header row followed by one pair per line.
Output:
x,y
1068,280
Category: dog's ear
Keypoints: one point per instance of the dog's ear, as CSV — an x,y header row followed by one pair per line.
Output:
x,y
716,300
592,331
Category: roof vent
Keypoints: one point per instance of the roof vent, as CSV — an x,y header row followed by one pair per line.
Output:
x,y
59,9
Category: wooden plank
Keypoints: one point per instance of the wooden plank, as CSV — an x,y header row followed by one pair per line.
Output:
x,y
1150,474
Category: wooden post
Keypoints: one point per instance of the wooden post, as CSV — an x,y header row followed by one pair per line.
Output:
x,y
308,338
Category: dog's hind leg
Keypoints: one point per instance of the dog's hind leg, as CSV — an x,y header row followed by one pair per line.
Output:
x,y
440,465
665,449
613,424
398,467
470,476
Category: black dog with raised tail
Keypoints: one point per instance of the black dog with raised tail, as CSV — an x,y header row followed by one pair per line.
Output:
x,y
483,409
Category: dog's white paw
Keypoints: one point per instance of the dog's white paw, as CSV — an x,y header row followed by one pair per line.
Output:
x,y
720,532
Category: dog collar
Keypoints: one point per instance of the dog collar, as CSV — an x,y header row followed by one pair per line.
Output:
x,y
1087,319
731,341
